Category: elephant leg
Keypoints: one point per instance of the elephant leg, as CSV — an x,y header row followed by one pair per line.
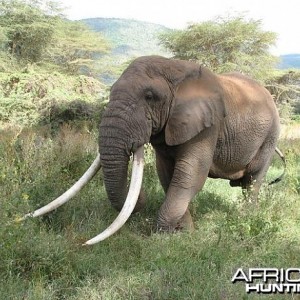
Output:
x,y
256,172
251,184
187,180
165,168
190,172
186,222
251,187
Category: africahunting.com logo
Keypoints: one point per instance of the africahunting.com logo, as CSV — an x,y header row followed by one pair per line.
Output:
x,y
269,280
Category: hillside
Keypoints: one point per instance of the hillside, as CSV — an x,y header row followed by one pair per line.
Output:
x,y
129,37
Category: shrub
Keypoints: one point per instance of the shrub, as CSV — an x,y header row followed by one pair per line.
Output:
x,y
29,99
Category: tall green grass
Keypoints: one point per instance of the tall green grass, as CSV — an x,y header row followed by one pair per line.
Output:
x,y
43,258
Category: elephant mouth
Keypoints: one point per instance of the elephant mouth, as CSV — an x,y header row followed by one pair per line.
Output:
x,y
129,204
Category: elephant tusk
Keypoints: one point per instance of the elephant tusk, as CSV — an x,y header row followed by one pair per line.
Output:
x,y
70,193
131,200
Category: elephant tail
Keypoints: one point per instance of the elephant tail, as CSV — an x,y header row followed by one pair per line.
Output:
x,y
284,164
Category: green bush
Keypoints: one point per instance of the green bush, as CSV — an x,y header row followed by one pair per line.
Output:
x,y
30,99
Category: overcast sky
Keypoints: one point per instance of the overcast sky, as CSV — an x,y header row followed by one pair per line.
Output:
x,y
282,17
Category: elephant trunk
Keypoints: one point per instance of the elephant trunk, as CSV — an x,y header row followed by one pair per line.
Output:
x,y
115,149
115,167
123,130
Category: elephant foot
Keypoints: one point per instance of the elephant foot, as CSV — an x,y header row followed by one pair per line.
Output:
x,y
184,224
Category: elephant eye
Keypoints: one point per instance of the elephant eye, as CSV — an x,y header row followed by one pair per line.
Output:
x,y
149,96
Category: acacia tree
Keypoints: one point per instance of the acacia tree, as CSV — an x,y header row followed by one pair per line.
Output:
x,y
74,46
35,31
225,44
28,28
285,88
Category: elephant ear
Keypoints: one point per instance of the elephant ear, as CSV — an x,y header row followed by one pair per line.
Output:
x,y
198,104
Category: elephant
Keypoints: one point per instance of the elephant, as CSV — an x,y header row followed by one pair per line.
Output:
x,y
200,125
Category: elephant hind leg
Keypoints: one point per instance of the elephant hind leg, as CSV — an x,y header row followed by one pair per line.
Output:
x,y
257,170
247,185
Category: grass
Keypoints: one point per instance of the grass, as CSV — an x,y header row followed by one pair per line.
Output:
x,y
43,258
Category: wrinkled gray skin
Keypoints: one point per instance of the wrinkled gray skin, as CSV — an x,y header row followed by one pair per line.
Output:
x,y
200,125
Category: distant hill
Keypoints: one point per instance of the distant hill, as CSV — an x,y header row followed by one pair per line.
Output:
x,y
290,61
130,37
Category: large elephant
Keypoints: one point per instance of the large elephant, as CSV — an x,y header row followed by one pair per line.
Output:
x,y
200,125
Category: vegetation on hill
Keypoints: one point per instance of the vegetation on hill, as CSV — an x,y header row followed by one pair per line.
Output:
x,y
50,103
31,99
43,61
35,32
129,37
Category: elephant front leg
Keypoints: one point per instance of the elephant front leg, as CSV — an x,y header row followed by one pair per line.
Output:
x,y
165,170
189,176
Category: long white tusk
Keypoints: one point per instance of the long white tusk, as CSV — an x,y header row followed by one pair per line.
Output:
x,y
70,193
131,200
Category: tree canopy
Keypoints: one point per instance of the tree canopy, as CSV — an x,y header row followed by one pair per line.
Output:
x,y
35,31
28,28
74,46
225,44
